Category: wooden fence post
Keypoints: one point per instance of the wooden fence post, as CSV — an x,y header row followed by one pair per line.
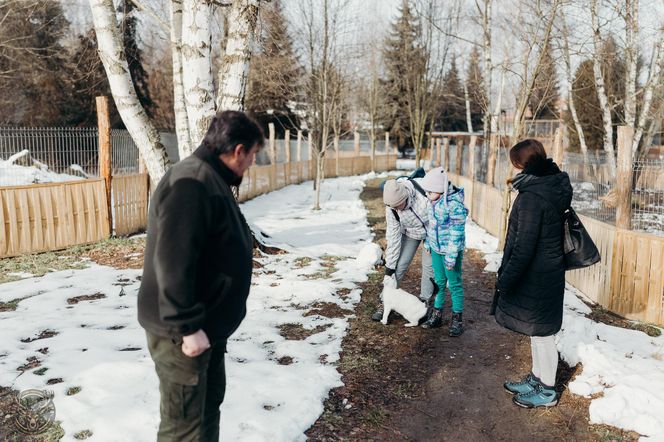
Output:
x,y
471,172
446,153
459,155
624,178
432,144
387,151
336,154
299,156
356,143
439,151
273,156
491,166
105,171
558,147
287,166
312,161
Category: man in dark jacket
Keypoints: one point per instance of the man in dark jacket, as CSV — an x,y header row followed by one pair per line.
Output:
x,y
531,280
196,276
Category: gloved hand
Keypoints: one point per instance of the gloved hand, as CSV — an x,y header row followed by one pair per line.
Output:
x,y
389,271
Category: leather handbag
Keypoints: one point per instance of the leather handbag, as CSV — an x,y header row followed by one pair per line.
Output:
x,y
579,248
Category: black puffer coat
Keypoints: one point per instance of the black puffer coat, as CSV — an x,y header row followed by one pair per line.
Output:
x,y
531,279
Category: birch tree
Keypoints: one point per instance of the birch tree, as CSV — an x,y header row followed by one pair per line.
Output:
x,y
601,90
569,81
138,124
193,85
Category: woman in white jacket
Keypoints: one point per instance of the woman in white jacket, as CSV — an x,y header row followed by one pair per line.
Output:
x,y
407,219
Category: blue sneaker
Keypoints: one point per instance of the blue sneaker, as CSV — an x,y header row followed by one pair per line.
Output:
x,y
526,385
541,396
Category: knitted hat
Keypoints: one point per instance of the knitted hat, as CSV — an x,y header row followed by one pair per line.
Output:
x,y
436,181
394,193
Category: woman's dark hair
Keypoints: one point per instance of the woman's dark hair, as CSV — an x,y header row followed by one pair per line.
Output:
x,y
230,128
527,152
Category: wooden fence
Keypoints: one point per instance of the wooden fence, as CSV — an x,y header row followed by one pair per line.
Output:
x,y
628,281
43,217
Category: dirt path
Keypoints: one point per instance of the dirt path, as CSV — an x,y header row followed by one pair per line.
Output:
x,y
416,384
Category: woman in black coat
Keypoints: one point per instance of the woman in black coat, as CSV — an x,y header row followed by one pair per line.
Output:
x,y
531,279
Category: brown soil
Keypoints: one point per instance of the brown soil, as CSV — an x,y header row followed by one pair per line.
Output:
x,y
415,384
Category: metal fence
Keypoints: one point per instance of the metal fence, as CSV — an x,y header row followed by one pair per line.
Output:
x,y
38,155
34,155
593,182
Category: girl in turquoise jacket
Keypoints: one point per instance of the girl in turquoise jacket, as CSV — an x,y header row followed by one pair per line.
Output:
x,y
446,240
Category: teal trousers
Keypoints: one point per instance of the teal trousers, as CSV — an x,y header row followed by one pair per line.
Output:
x,y
448,279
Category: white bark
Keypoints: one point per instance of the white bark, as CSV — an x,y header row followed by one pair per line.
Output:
x,y
570,93
488,69
111,52
469,119
179,105
601,91
232,78
631,59
499,102
196,67
648,92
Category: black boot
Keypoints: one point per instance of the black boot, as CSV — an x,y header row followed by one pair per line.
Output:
x,y
378,314
456,326
435,319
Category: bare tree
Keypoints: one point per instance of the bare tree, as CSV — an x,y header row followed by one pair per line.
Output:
x,y
601,89
321,26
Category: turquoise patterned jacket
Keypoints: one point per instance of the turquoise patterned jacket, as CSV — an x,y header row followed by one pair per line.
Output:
x,y
446,231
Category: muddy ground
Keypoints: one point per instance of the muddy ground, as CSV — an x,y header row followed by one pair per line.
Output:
x,y
415,384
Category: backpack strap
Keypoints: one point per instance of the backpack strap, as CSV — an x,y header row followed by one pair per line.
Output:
x,y
396,215
417,186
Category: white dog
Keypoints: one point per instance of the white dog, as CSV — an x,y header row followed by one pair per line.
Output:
x,y
402,302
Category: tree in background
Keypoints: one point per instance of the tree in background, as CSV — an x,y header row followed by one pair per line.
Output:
x,y
405,66
452,102
544,97
476,89
274,74
584,93
33,85
134,55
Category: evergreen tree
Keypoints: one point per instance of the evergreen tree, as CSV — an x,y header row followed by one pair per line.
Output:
x,y
544,97
585,97
476,92
452,104
274,74
405,64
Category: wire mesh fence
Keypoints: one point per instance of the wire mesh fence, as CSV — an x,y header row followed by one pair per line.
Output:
x,y
593,181
39,155
648,196
34,155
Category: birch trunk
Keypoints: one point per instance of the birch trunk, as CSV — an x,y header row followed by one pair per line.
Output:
x,y
179,106
232,78
569,82
631,59
488,70
111,52
196,68
469,119
601,92
653,79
